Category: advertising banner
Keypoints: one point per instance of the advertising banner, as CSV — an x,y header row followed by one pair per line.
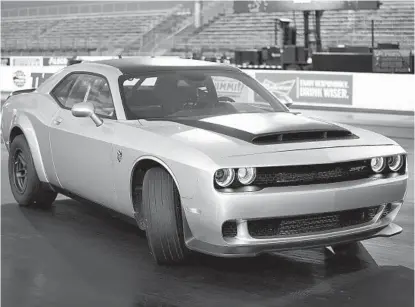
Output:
x,y
227,86
232,88
55,61
358,90
20,78
318,88
26,61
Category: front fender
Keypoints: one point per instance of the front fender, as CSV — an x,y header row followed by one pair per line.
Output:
x,y
21,121
184,176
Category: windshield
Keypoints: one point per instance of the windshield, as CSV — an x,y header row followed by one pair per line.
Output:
x,y
190,93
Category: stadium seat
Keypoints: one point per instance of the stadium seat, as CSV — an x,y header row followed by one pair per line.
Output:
x,y
393,23
223,31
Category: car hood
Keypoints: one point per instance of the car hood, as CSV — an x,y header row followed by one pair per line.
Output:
x,y
252,133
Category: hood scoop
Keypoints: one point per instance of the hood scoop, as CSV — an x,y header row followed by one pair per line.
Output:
x,y
302,136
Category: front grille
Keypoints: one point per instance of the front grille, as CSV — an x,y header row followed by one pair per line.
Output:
x,y
308,224
312,174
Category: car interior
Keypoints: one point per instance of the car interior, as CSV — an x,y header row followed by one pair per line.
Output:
x,y
174,95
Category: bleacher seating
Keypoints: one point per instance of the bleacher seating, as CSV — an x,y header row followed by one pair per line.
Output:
x,y
393,23
227,31
161,30
78,33
18,32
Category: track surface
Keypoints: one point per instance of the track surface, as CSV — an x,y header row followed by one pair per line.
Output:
x,y
78,255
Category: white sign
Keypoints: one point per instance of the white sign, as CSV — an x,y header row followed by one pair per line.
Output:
x,y
58,61
26,61
22,77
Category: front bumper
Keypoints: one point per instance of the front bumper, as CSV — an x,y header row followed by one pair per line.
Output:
x,y
209,210
249,247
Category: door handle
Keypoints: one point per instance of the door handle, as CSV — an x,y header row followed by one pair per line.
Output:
x,y
57,120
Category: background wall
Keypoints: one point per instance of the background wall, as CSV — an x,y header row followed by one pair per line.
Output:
x,y
388,92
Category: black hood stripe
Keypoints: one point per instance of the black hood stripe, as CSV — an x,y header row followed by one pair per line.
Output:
x,y
232,132
314,133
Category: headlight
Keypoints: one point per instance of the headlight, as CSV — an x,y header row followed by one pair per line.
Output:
x,y
246,175
395,163
378,164
224,177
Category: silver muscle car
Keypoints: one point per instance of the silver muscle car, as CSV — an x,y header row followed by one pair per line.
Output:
x,y
203,157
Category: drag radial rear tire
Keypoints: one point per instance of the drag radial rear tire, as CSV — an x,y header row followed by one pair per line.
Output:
x,y
163,217
24,182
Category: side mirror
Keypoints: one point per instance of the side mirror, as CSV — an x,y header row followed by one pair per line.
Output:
x,y
86,109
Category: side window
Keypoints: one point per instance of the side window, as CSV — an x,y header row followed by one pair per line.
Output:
x,y
83,87
61,92
79,91
100,96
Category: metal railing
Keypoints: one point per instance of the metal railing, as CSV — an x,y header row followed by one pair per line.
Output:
x,y
87,8
53,43
158,32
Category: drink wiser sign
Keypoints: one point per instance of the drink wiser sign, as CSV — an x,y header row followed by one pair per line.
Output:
x,y
310,87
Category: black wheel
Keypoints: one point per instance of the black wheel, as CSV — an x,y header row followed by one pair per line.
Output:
x,y
24,182
163,217
349,249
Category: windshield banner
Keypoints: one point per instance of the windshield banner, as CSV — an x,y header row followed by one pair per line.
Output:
x,y
309,87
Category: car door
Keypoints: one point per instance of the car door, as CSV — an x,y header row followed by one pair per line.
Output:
x,y
82,152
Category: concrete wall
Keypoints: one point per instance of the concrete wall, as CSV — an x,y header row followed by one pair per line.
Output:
x,y
326,90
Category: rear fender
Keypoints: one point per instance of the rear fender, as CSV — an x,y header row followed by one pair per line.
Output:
x,y
23,122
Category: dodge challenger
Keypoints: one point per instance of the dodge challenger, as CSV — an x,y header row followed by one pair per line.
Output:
x,y
203,157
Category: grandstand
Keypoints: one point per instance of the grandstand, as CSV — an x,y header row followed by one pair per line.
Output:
x,y
168,27
393,24
87,28
89,33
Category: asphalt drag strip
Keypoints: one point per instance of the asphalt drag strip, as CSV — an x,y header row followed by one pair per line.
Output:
x,y
81,255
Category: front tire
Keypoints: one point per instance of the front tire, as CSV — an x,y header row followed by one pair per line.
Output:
x,y
24,182
163,217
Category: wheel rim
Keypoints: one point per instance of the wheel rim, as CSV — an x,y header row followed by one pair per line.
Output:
x,y
20,171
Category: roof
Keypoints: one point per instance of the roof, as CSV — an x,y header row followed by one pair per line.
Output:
x,y
137,65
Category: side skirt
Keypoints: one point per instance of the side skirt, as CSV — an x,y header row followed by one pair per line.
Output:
x,y
94,204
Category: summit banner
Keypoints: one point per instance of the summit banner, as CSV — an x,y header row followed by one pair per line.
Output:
x,y
301,87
